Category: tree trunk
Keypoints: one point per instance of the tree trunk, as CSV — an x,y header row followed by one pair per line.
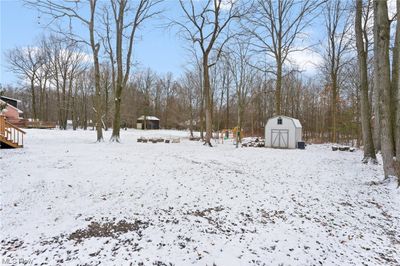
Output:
x,y
106,105
334,108
191,114
239,123
97,102
220,113
202,115
63,123
166,110
278,88
74,114
68,97
95,50
59,114
46,116
227,107
208,99
41,99
119,83
369,149
117,120
396,88
85,114
376,96
381,27
395,81
33,94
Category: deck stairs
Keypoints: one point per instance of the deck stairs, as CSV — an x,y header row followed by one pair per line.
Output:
x,y
11,136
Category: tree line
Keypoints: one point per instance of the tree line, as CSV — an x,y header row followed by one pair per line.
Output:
x,y
241,71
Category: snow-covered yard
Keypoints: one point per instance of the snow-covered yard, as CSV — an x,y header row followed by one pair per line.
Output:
x,y
68,200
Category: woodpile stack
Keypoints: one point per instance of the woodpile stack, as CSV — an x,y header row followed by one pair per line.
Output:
x,y
141,139
343,148
257,142
158,140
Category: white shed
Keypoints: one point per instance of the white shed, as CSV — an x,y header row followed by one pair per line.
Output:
x,y
283,132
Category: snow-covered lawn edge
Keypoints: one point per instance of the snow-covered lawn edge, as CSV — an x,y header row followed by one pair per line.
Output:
x,y
65,199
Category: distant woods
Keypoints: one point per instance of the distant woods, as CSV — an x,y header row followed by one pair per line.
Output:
x,y
59,80
241,70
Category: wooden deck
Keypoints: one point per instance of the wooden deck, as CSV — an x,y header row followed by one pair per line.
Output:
x,y
10,135
24,123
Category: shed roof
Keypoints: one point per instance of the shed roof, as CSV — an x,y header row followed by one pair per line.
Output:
x,y
148,117
295,121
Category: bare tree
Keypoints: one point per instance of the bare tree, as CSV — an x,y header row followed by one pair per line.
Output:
x,y
362,51
277,25
226,85
27,63
146,83
382,62
75,11
106,82
198,69
168,88
243,75
207,24
222,77
189,87
337,24
66,61
396,88
121,39
87,91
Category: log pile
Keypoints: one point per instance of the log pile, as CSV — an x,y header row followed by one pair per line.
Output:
x,y
158,140
343,148
257,142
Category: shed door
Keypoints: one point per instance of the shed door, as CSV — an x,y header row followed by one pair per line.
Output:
x,y
280,138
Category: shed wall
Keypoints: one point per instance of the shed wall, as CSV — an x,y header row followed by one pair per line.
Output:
x,y
289,125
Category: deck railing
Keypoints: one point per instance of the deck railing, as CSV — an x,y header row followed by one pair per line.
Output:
x,y
10,132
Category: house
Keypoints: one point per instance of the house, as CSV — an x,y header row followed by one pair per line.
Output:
x,y
11,111
10,135
283,132
150,122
